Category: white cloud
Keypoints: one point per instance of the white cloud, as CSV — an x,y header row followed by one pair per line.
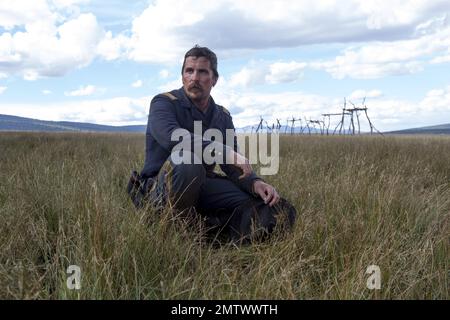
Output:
x,y
226,25
82,91
2,89
115,111
395,12
171,85
259,73
41,41
385,112
249,76
247,106
164,74
112,48
159,34
50,38
361,94
441,59
137,84
370,61
433,25
283,72
54,38
24,12
68,3
30,75
347,66
437,101
46,92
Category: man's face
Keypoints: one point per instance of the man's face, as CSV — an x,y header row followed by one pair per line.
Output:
x,y
198,78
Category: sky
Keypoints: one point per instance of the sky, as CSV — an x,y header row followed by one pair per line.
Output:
x,y
103,61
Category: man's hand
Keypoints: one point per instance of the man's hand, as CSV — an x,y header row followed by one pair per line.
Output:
x,y
241,162
266,192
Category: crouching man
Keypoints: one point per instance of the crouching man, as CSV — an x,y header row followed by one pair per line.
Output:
x,y
240,202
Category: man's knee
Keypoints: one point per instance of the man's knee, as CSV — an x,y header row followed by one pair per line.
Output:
x,y
191,171
185,181
190,174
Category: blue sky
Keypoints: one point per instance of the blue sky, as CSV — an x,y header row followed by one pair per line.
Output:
x,y
103,61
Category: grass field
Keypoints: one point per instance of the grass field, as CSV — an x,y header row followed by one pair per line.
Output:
x,y
361,201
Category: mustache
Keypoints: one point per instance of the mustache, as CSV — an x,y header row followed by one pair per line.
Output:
x,y
195,86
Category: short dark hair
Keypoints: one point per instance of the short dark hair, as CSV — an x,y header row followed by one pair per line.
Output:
x,y
198,51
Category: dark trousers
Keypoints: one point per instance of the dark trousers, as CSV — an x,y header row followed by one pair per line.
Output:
x,y
218,200
183,186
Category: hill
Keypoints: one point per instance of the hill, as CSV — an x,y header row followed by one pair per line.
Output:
x,y
439,129
14,123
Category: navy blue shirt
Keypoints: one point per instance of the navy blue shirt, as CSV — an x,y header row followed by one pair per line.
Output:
x,y
166,115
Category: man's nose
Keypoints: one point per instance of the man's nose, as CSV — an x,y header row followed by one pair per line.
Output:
x,y
195,76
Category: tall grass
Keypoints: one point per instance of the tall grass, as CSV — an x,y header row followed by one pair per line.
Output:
x,y
360,201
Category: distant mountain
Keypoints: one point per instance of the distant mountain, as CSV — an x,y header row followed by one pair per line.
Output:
x,y
439,129
14,123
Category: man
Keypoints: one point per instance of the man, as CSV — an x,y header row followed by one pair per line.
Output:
x,y
193,183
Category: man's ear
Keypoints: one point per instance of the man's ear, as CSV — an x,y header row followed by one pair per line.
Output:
x,y
215,81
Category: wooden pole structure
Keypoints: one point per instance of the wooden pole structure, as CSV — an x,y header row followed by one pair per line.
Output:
x,y
307,125
329,120
267,126
343,117
351,127
322,127
356,111
301,125
278,125
293,123
260,125
327,116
